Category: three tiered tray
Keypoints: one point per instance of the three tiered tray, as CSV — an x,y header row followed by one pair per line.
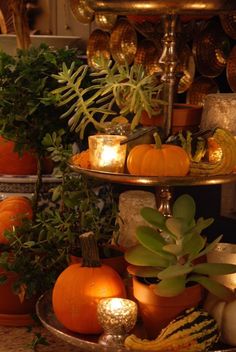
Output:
x,y
169,11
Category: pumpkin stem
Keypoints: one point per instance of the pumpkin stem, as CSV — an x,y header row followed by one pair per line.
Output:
x,y
157,140
89,250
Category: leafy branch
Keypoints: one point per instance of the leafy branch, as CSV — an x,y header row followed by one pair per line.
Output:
x,y
127,87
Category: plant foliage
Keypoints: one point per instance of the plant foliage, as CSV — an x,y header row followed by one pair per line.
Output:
x,y
172,249
127,88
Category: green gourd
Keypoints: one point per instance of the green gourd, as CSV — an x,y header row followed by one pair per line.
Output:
x,y
193,331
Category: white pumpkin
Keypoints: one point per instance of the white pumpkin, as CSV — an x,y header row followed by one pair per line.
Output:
x,y
225,315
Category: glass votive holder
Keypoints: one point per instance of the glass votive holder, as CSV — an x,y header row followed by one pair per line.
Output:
x,y
106,152
224,253
117,316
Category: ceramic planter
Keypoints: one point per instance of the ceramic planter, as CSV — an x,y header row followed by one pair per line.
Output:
x,y
156,312
13,164
13,312
185,117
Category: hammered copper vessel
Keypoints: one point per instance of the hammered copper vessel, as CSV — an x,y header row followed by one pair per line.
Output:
x,y
98,50
123,42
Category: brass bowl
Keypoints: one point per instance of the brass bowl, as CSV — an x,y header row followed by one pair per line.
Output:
x,y
231,69
81,11
211,48
98,50
199,89
148,54
123,42
228,23
105,21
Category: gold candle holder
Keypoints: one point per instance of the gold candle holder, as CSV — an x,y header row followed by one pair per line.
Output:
x,y
106,152
117,316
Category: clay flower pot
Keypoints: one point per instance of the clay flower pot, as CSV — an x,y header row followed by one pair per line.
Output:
x,y
13,312
156,312
11,163
185,117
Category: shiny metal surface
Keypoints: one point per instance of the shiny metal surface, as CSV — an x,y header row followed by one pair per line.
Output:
x,y
151,7
156,181
87,343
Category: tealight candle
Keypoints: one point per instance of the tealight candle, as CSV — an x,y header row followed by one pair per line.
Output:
x,y
106,152
117,316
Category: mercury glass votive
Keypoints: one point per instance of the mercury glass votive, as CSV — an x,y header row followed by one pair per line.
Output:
x,y
224,253
106,152
117,316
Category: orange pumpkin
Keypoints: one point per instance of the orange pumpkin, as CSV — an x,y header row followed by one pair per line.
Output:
x,y
82,159
158,160
78,290
18,204
12,210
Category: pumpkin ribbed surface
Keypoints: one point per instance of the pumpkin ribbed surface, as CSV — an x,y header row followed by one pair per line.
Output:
x,y
77,292
148,160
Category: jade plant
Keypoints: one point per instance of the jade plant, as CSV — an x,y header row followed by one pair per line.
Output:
x,y
115,90
172,250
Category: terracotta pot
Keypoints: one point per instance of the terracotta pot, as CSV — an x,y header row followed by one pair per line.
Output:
x,y
156,312
13,164
185,117
13,312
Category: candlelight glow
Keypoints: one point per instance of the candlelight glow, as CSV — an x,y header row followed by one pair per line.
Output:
x,y
117,316
106,153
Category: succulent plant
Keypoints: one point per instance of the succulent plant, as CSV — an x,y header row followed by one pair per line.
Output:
x,y
172,250
116,90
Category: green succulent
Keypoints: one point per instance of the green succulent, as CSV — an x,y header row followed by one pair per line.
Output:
x,y
115,90
171,250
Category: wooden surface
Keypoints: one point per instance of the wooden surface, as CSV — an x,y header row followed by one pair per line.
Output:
x,y
19,339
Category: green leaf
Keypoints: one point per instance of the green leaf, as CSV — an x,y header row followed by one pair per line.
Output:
x,y
139,255
154,217
175,249
153,241
176,226
201,225
214,287
214,269
174,271
193,244
147,271
169,287
210,247
184,208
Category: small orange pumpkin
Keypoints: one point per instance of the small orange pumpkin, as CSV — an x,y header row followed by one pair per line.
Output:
x,y
158,160
79,288
82,159
12,210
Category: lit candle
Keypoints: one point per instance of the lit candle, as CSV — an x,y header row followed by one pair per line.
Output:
x,y
106,152
117,316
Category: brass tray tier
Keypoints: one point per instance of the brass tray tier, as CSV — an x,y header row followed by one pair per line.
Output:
x,y
87,343
156,181
154,7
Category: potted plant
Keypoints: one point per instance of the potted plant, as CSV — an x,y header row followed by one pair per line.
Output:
x,y
116,90
169,264
34,253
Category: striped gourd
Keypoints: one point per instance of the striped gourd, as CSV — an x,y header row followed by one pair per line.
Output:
x,y
193,331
